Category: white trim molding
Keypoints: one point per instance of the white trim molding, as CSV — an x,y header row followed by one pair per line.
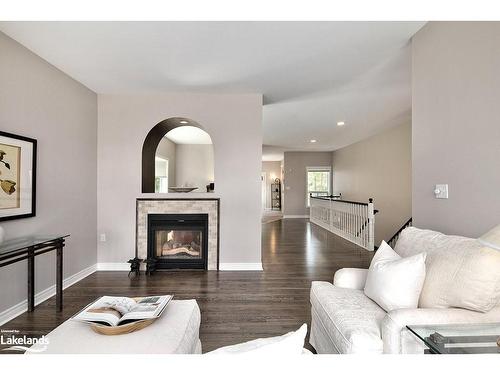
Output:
x,y
240,267
44,295
113,267
295,216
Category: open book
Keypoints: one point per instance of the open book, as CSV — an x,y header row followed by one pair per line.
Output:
x,y
115,311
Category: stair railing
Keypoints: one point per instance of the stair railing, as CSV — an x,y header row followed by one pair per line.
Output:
x,y
353,221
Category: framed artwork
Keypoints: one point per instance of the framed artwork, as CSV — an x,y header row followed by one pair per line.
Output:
x,y
17,176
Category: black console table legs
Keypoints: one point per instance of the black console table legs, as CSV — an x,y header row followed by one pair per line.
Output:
x,y
31,279
59,277
28,249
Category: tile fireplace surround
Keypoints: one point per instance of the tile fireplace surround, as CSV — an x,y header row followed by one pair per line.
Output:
x,y
210,206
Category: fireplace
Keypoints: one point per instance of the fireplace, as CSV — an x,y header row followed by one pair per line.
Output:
x,y
177,241
174,208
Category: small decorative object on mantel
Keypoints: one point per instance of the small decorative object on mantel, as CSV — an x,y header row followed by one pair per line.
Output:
x,y
210,187
180,189
2,234
17,176
135,266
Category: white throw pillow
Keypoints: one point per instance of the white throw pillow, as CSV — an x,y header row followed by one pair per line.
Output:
x,y
290,343
394,282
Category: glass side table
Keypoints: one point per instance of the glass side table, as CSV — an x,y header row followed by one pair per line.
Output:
x,y
459,338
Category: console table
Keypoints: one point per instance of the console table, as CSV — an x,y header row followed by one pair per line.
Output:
x,y
27,248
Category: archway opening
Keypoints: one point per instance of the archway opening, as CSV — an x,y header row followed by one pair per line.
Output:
x,y
177,155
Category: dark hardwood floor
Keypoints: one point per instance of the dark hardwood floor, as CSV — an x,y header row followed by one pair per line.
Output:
x,y
236,306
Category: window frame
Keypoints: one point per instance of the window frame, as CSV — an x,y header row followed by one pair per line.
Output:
x,y
318,169
163,180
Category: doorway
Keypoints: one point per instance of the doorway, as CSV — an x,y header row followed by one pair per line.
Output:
x,y
263,179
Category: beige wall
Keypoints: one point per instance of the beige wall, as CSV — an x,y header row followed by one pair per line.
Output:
x,y
234,123
39,101
194,166
380,168
272,169
295,164
456,126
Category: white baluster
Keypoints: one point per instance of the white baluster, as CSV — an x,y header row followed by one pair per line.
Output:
x,y
371,226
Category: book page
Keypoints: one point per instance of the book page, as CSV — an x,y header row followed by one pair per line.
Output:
x,y
101,312
147,308
123,305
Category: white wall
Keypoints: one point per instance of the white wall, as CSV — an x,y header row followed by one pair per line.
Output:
x,y
234,123
456,128
194,166
380,168
39,101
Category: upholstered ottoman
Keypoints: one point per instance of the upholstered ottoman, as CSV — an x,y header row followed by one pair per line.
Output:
x,y
175,332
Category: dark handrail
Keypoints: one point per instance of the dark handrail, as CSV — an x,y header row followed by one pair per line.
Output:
x,y
394,238
332,198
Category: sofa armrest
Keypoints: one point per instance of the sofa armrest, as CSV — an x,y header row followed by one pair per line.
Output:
x,y
397,338
351,278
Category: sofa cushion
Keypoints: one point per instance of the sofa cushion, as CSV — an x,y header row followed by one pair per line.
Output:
x,y
444,257
395,282
350,318
476,284
288,344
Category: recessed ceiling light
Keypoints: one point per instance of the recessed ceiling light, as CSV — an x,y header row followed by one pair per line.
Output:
x,y
340,123
184,122
313,141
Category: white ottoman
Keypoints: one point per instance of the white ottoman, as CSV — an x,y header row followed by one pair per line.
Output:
x,y
175,332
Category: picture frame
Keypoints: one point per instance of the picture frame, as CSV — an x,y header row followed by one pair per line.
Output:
x,y
18,155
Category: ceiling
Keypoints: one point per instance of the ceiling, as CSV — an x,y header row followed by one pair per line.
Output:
x,y
311,74
189,135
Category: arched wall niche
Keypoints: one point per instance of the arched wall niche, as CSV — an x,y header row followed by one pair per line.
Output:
x,y
150,145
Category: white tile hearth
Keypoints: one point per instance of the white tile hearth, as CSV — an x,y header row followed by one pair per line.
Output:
x,y
147,206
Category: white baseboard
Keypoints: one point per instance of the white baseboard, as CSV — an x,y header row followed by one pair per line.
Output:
x,y
44,295
113,266
222,266
240,267
295,216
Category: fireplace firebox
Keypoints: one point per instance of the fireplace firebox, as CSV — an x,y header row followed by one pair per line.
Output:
x,y
177,241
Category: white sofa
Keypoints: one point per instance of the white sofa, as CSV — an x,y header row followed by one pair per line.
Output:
x,y
344,320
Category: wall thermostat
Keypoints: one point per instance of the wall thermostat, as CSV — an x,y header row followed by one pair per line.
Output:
x,y
441,191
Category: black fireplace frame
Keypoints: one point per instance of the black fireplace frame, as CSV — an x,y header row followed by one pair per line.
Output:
x,y
178,222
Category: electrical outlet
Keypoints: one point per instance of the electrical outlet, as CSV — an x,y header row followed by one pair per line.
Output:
x,y
102,237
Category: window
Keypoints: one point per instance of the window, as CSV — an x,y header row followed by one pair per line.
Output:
x,y
161,175
318,182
